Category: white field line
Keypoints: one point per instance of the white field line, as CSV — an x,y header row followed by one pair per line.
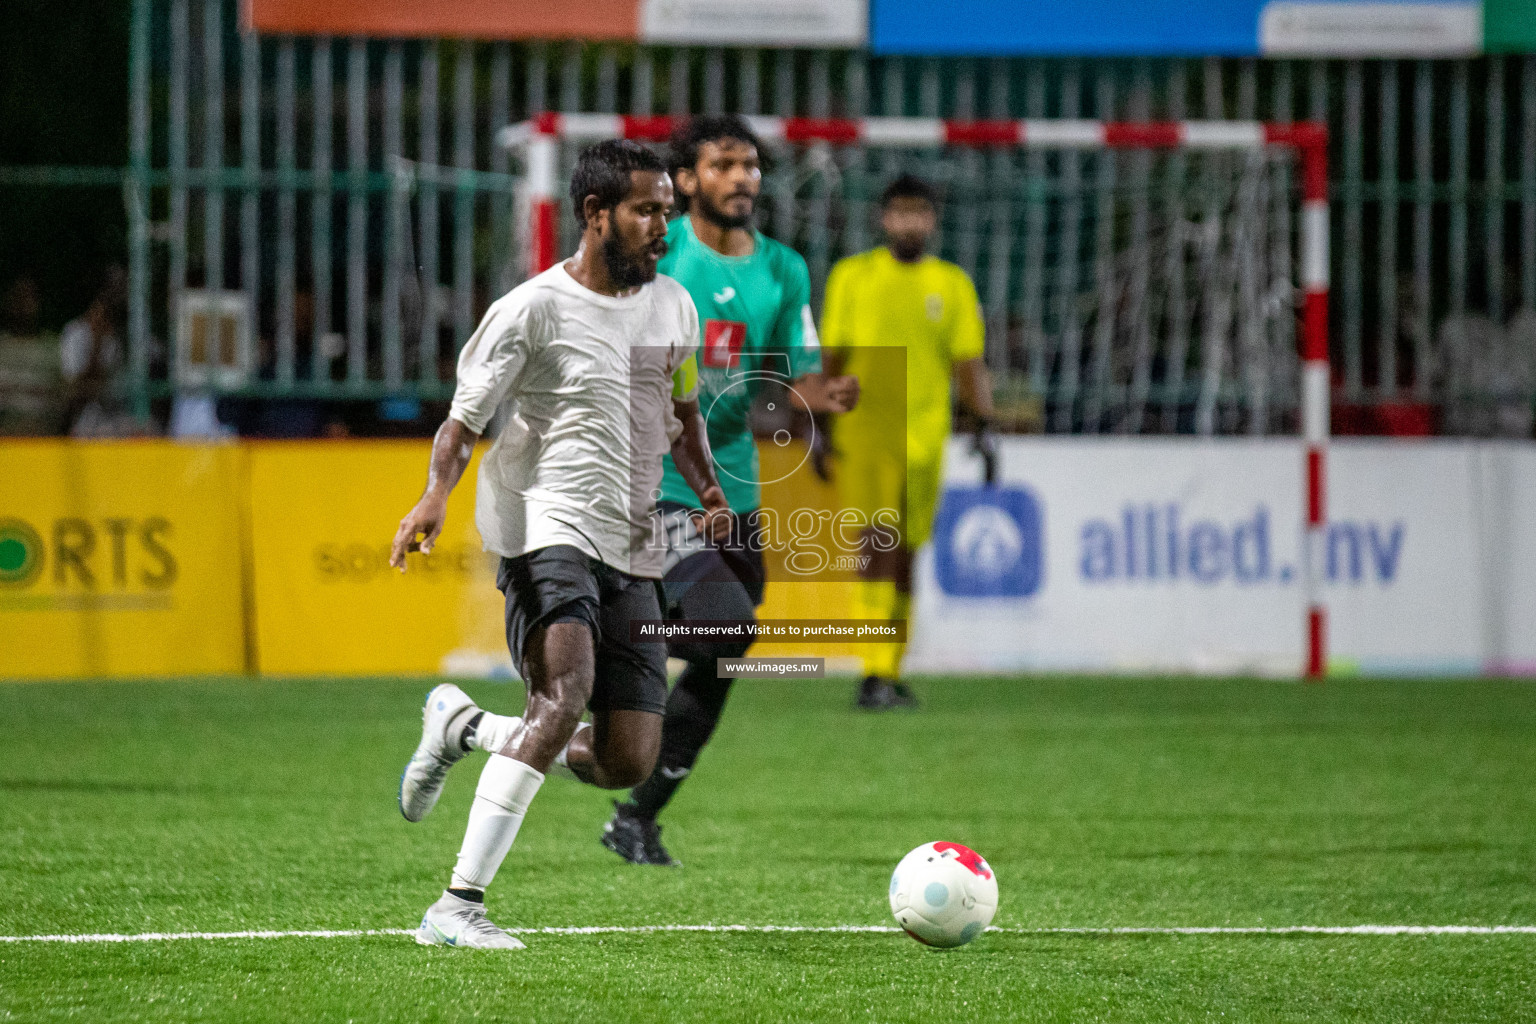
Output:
x,y
763,929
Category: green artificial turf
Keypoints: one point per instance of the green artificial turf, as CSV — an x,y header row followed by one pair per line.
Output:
x,y
233,805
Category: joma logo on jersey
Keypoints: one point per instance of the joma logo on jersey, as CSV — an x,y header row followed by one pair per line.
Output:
x,y
723,340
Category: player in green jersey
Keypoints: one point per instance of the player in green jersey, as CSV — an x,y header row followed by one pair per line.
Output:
x,y
753,295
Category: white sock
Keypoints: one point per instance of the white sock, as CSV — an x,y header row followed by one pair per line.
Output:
x,y
506,789
494,731
560,767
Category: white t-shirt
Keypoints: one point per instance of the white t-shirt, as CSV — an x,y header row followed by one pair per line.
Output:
x,y
585,383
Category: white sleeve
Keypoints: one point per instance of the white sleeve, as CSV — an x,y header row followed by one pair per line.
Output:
x,y
691,330
490,363
688,339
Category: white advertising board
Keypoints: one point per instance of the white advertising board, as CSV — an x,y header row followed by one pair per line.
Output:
x,y
1179,555
755,22
1351,28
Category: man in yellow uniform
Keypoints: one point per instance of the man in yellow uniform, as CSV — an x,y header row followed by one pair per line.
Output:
x,y
905,323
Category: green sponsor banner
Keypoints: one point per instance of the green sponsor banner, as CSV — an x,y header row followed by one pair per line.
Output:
x,y
1509,26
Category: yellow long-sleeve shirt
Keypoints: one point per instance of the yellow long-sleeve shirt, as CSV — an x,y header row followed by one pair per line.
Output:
x,y
876,307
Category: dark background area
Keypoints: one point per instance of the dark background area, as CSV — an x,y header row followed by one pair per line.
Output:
x,y
63,101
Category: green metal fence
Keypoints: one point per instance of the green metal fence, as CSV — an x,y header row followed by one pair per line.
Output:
x,y
352,193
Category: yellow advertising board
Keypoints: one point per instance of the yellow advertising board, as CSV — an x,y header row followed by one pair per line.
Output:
x,y
160,559
322,518
323,515
120,559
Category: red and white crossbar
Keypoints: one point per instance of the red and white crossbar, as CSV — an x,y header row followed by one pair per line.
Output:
x,y
540,140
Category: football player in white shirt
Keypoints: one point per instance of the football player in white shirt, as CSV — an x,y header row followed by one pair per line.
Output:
x,y
591,367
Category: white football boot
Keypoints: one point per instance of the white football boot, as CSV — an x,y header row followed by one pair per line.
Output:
x,y
447,711
452,921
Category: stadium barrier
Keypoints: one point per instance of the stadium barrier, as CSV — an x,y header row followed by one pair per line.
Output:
x,y
1093,554
235,142
159,559
121,560
327,602
1179,555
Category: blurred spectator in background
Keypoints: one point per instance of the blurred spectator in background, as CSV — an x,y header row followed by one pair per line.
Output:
x,y
92,354
29,365
19,310
1487,373
290,418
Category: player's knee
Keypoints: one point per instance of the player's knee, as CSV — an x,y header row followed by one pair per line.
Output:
x,y
629,779
629,774
627,768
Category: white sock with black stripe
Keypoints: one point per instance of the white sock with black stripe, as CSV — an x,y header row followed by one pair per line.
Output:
x,y
506,788
493,731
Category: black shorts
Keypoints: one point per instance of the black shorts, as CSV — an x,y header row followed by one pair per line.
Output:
x,y
691,559
712,580
565,584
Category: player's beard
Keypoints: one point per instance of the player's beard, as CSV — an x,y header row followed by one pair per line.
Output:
x,y
719,218
629,270
907,249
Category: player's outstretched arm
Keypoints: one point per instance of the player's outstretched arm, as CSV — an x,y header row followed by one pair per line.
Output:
x,y
451,449
690,454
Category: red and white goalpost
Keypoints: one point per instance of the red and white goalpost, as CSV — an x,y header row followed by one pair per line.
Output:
x,y
540,140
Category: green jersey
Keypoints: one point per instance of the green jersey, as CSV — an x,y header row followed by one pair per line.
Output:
x,y
755,324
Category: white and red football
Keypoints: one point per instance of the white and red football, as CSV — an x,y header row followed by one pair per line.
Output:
x,y
943,894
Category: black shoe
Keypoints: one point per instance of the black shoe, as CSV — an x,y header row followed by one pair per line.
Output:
x,y
902,696
875,694
636,839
